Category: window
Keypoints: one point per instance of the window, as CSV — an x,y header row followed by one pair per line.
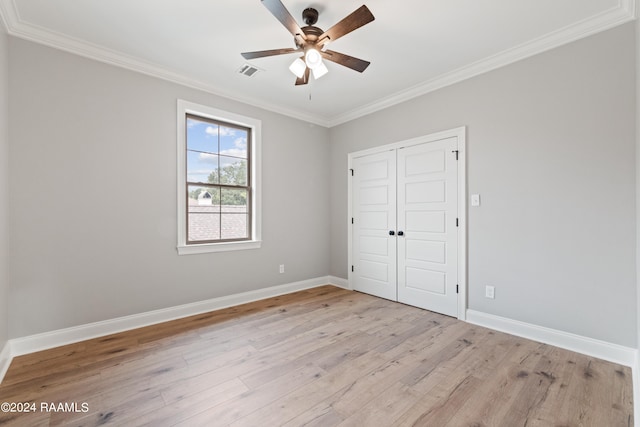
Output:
x,y
218,180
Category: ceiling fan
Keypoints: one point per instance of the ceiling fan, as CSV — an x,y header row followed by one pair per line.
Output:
x,y
312,42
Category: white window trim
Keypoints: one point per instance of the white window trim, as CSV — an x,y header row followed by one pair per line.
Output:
x,y
255,125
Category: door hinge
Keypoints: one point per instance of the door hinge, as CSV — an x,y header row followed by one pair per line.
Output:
x,y
457,289
456,152
352,220
456,222
352,268
351,172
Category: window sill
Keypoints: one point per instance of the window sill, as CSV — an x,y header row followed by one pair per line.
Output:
x,y
218,247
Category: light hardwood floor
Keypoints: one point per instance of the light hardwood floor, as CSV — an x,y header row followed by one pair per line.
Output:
x,y
321,357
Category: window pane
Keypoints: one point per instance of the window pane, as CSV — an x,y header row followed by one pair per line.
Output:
x,y
203,196
202,136
203,227
234,200
202,167
233,142
233,171
234,226
204,213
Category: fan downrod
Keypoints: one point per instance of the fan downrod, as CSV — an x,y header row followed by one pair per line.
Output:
x,y
310,16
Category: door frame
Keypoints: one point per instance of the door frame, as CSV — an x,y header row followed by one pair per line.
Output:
x,y
460,134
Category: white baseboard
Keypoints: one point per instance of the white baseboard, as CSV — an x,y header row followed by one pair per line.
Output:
x,y
47,340
636,390
591,347
339,282
5,359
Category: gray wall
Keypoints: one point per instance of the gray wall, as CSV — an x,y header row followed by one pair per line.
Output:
x,y
92,201
93,196
4,184
638,197
551,151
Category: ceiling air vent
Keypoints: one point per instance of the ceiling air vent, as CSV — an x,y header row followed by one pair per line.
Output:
x,y
248,70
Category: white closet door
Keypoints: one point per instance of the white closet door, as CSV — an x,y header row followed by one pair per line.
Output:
x,y
427,230
374,215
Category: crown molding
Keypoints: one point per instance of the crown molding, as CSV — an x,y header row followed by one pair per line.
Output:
x,y
6,10
624,12
9,11
17,28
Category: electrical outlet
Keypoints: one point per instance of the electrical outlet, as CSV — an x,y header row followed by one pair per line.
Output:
x,y
490,292
281,268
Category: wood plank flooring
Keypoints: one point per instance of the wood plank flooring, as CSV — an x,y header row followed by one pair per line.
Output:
x,y
322,357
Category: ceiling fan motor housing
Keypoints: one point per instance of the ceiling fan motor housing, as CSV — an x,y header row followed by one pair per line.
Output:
x,y
312,34
310,16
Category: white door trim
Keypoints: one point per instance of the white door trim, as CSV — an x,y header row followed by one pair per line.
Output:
x,y
460,134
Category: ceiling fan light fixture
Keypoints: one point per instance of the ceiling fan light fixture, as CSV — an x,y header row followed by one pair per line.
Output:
x,y
313,41
312,58
297,67
319,71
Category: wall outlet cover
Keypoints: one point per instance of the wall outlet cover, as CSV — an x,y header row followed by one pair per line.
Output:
x,y
490,292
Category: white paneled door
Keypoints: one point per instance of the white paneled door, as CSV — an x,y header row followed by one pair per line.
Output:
x,y
405,225
427,231
374,199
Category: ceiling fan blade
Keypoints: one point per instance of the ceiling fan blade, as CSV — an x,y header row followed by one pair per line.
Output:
x,y
304,79
272,52
281,13
345,60
357,19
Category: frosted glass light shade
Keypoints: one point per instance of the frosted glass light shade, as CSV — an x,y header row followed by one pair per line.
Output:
x,y
313,58
297,67
319,71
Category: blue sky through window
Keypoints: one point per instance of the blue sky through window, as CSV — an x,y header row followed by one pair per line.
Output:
x,y
210,147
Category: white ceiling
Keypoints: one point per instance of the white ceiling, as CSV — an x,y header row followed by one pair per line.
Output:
x,y
414,46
